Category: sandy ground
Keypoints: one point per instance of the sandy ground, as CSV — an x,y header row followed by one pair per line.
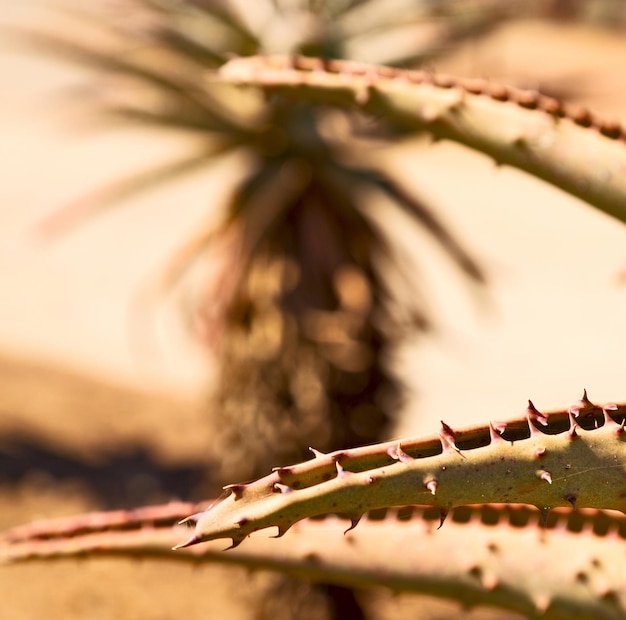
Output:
x,y
81,405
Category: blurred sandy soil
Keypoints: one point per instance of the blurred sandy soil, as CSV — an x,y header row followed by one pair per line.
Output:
x,y
81,405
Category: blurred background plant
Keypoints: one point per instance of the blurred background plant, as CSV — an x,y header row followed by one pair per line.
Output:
x,y
306,296
302,312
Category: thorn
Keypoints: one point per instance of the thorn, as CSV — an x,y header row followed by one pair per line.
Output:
x,y
446,435
542,602
192,540
571,498
236,489
500,427
584,399
282,488
531,408
431,485
235,543
372,479
362,96
582,577
282,530
341,472
543,516
398,454
605,412
545,475
583,403
241,522
489,582
354,521
192,518
495,434
317,454
609,594
540,452
573,423
282,471
430,115
535,416
442,517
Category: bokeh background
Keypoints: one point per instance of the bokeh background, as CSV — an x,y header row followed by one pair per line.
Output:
x,y
106,394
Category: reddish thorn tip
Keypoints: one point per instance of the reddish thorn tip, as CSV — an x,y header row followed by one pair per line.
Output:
x,y
535,416
448,439
446,428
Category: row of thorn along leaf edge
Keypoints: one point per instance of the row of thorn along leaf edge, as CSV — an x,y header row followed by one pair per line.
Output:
x,y
487,554
569,458
524,98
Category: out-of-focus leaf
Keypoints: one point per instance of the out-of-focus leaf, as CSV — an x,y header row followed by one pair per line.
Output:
x,y
417,210
84,207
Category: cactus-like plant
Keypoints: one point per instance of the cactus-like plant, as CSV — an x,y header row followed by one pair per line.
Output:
x,y
573,458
